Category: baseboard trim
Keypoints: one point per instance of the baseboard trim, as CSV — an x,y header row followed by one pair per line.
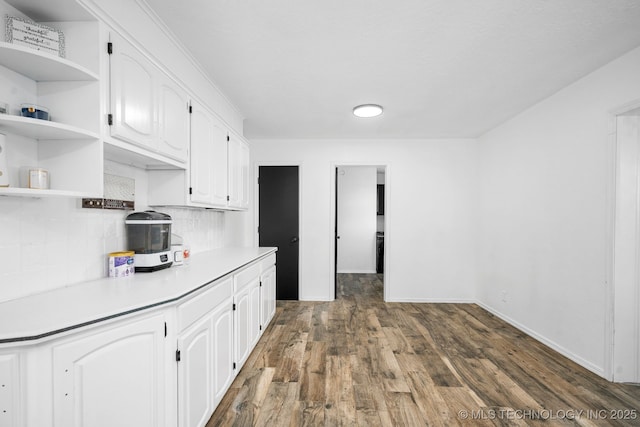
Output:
x,y
432,300
533,334
549,343
358,272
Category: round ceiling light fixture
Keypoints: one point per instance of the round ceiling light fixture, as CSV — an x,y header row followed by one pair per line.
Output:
x,y
367,110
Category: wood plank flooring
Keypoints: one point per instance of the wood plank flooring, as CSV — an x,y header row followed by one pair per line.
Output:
x,y
358,361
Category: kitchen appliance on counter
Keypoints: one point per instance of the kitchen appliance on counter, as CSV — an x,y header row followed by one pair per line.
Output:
x,y
149,236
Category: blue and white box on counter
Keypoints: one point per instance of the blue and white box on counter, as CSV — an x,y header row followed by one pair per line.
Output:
x,y
121,264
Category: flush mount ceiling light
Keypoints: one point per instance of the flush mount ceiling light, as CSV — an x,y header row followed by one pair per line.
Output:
x,y
367,110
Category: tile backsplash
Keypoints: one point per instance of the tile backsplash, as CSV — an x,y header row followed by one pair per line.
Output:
x,y
52,242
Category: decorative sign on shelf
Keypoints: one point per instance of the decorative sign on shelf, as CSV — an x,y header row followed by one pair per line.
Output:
x,y
36,36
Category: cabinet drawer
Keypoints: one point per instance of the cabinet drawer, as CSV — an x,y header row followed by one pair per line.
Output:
x,y
246,276
267,262
201,304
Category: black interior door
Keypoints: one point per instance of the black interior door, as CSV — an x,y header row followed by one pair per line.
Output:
x,y
279,224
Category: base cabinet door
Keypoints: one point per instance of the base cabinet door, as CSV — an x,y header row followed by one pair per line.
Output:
x,y
10,402
223,372
247,312
254,306
113,376
267,296
242,325
195,374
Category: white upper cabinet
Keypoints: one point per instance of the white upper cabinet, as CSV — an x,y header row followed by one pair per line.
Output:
x,y
238,173
148,109
133,102
208,159
218,173
173,120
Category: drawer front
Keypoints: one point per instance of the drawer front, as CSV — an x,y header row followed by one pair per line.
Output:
x,y
245,276
203,303
267,262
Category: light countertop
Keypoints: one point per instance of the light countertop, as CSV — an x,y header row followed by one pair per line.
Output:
x,y
36,317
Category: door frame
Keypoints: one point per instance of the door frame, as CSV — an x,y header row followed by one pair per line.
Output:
x,y
256,214
615,291
387,211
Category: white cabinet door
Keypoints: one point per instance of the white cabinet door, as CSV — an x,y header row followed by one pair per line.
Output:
x,y
113,376
242,326
267,296
133,95
238,173
10,402
254,306
223,373
173,120
195,374
247,314
208,158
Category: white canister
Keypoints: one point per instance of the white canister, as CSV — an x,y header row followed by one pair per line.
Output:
x,y
34,177
121,264
177,252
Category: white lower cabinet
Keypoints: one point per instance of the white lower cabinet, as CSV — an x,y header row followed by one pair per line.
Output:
x,y
205,353
111,377
223,372
10,390
195,374
167,366
247,312
267,295
213,349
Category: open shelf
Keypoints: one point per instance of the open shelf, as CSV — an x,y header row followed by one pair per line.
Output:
x,y
42,129
34,193
42,67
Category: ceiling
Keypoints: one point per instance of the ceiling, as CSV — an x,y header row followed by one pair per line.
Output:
x,y
440,68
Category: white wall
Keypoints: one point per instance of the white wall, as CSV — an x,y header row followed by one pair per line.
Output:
x,y
431,205
357,191
52,242
544,213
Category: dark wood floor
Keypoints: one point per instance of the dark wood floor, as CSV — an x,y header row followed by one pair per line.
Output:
x,y
360,361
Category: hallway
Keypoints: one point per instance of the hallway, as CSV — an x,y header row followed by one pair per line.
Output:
x,y
360,361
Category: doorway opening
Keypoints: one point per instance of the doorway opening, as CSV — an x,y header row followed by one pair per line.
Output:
x,y
624,295
278,224
359,227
